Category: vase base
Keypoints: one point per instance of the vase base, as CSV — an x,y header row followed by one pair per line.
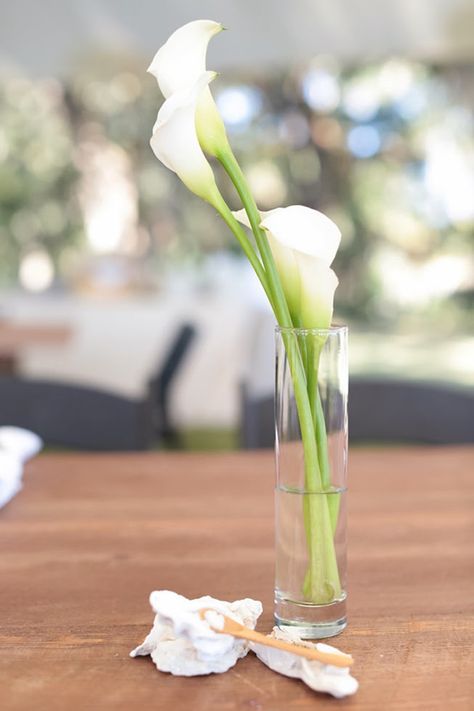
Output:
x,y
311,621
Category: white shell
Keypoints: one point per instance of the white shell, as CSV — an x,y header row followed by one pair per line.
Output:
x,y
19,442
17,445
319,677
11,470
183,644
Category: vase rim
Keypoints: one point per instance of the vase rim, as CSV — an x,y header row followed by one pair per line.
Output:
x,y
332,330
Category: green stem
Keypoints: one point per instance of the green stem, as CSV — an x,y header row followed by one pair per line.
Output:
x,y
314,350
322,582
334,499
233,170
226,214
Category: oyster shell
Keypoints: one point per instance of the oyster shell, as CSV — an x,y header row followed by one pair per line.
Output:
x,y
17,445
181,643
319,677
20,443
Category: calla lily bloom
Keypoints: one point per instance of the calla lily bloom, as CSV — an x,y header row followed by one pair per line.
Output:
x,y
304,242
294,249
180,62
318,282
175,143
177,66
304,229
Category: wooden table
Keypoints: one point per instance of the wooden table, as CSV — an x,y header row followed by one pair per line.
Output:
x,y
91,535
15,337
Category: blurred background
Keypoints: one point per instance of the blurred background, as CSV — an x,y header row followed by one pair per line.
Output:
x,y
115,278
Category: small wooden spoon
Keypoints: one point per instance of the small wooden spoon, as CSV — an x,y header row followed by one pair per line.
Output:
x,y
237,630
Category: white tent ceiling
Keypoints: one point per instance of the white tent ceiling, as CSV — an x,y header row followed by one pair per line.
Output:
x,y
45,36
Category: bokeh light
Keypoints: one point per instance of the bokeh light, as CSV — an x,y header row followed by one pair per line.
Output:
x,y
36,271
321,89
238,105
267,184
364,141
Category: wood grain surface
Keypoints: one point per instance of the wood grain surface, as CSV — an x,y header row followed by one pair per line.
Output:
x,y
15,336
91,535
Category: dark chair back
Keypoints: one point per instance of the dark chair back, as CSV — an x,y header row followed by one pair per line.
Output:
x,y
257,427
73,416
381,410
401,411
160,385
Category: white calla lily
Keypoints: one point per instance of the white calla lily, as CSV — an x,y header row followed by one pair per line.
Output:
x,y
304,242
175,143
304,229
318,282
294,248
180,62
177,66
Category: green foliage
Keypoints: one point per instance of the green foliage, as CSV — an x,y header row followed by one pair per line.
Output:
x,y
385,150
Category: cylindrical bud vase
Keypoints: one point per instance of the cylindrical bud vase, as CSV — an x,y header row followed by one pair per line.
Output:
x,y
311,480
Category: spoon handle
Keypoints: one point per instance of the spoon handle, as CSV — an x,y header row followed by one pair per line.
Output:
x,y
336,660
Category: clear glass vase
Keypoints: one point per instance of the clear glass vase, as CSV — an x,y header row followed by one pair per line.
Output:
x,y
311,480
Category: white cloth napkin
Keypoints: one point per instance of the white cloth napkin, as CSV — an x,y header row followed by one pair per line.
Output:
x,y
16,447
